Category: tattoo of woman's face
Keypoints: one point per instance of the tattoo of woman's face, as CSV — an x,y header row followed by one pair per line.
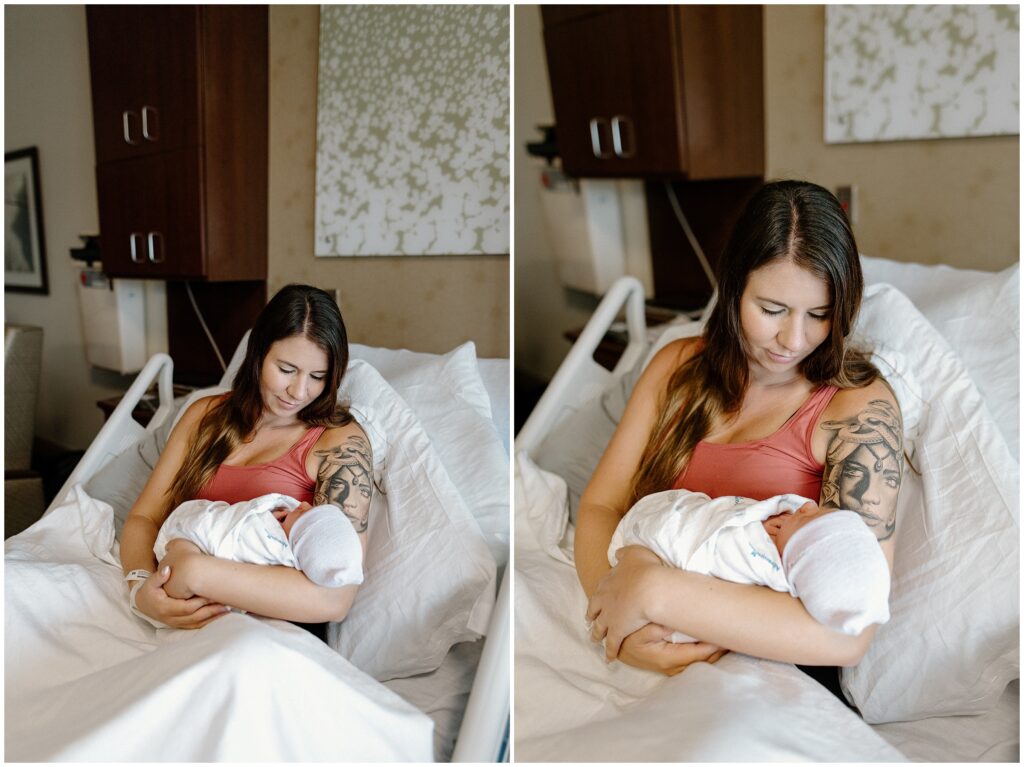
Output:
x,y
345,479
864,466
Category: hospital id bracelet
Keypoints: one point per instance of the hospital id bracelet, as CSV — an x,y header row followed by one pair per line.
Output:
x,y
137,584
137,575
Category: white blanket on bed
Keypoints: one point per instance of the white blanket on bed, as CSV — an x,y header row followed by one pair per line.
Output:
x,y
571,706
87,681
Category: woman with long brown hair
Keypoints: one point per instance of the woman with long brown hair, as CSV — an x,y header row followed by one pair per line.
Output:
x,y
771,399
279,430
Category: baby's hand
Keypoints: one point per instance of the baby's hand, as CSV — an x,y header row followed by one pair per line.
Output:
x,y
283,511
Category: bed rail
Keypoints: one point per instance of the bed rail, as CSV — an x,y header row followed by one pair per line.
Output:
x,y
484,730
121,430
579,377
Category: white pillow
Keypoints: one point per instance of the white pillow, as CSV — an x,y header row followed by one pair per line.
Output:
x,y
951,645
448,395
977,314
430,580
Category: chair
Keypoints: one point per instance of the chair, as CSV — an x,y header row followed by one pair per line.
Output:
x,y
23,488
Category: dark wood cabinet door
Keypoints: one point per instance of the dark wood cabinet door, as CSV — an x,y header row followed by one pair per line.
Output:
x,y
614,83
115,80
145,69
657,91
151,216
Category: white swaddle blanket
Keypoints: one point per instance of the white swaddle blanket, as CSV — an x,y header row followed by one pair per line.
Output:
x,y
323,543
833,564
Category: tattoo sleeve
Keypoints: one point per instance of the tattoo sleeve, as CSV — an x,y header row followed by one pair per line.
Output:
x,y
864,466
345,479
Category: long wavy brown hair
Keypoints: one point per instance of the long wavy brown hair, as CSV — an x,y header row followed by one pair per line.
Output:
x,y
294,310
793,220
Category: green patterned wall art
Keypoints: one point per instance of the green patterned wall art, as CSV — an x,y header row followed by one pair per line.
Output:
x,y
413,130
921,71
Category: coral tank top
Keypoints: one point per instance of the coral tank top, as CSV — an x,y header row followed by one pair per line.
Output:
x,y
779,463
286,475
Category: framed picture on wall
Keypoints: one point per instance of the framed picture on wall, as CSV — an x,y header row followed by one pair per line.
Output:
x,y
24,247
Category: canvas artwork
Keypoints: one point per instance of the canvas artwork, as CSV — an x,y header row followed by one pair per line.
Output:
x,y
413,131
921,71
24,251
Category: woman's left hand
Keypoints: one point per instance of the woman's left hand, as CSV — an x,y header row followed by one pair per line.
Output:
x,y
650,649
182,556
617,606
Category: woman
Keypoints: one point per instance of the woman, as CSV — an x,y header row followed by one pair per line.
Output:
x,y
280,429
770,400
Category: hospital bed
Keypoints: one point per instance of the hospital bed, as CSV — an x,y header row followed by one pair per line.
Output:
x,y
422,672
940,681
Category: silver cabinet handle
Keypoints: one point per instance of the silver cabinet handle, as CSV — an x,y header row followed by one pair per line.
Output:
x,y
152,239
595,138
127,126
150,125
136,251
621,149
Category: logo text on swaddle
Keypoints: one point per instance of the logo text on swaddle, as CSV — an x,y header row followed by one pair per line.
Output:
x,y
274,538
758,555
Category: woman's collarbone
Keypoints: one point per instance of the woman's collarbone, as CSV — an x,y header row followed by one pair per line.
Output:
x,y
759,417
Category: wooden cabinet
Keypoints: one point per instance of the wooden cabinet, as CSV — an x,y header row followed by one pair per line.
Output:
x,y
670,91
180,122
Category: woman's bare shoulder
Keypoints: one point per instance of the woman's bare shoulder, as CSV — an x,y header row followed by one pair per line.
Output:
x,y
850,402
336,436
670,357
195,412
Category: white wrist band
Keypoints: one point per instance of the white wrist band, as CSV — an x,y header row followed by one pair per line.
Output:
x,y
137,575
137,578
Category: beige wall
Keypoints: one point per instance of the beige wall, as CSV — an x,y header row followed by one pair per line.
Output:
x,y
952,201
429,304
47,105
543,309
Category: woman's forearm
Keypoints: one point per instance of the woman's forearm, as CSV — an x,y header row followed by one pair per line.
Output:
x,y
750,619
595,526
275,592
137,539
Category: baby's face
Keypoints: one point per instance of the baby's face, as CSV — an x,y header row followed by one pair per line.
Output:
x,y
783,526
289,518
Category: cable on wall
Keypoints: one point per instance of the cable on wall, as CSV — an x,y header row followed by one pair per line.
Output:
x,y
206,330
681,218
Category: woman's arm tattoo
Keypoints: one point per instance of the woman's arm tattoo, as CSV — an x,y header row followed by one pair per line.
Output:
x,y
864,466
345,479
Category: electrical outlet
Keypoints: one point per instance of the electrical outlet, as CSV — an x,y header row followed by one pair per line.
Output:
x,y
847,196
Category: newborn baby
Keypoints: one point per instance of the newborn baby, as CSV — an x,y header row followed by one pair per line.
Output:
x,y
273,529
827,558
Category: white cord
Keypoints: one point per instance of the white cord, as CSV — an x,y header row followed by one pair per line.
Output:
x,y
689,235
206,330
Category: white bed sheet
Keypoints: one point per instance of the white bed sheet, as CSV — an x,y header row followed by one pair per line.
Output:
x,y
113,683
989,737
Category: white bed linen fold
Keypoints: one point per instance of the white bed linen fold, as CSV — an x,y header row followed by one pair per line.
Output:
x,y
86,680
